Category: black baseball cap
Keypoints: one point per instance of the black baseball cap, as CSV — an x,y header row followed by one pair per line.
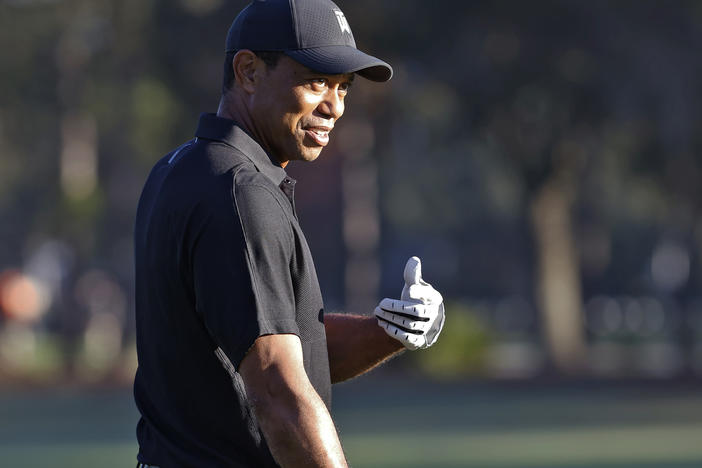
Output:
x,y
314,33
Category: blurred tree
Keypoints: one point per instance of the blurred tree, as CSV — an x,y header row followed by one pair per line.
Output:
x,y
543,118
546,150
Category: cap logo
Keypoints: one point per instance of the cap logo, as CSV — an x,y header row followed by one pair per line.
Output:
x,y
343,24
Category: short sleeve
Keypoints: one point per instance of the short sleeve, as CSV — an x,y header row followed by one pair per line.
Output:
x,y
241,270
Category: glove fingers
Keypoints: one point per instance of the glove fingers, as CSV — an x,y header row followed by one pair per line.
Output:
x,y
417,311
433,334
409,340
408,324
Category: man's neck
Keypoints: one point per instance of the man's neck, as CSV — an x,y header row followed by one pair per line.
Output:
x,y
230,109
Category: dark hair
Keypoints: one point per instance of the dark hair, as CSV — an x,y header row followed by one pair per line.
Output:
x,y
270,58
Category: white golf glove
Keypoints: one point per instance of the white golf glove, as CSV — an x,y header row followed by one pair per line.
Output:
x,y
418,317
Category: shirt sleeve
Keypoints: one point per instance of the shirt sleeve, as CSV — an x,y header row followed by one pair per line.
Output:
x,y
241,270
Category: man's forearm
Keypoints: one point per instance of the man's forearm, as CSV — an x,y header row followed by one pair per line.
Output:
x,y
299,430
356,344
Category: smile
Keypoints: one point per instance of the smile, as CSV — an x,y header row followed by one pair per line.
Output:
x,y
318,135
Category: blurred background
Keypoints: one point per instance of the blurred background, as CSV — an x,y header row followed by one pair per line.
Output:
x,y
543,158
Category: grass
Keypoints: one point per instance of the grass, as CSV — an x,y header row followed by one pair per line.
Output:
x,y
399,423
616,446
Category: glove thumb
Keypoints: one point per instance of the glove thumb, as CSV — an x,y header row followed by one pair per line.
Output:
x,y
413,271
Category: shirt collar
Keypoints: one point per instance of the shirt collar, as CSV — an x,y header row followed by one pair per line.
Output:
x,y
213,127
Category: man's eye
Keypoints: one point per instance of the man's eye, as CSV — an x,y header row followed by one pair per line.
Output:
x,y
344,87
318,83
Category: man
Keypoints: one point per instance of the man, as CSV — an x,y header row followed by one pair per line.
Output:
x,y
236,357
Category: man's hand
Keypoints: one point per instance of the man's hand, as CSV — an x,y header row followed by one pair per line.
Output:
x,y
418,317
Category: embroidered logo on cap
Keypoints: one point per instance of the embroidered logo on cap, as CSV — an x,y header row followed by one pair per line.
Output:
x,y
343,24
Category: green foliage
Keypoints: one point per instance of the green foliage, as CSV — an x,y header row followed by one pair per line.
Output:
x,y
461,348
155,112
35,356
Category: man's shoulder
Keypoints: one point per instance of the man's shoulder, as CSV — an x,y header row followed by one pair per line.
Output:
x,y
253,190
210,176
229,170
259,202
248,178
207,167
216,157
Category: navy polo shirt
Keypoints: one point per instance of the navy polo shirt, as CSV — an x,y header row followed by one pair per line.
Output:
x,y
220,260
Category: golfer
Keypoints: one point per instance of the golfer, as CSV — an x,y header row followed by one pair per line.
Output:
x,y
236,355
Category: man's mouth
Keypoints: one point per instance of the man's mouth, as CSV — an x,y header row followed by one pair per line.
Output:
x,y
319,135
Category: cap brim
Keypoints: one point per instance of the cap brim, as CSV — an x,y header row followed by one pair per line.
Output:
x,y
334,60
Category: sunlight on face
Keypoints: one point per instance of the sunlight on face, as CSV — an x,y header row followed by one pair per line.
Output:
x,y
294,109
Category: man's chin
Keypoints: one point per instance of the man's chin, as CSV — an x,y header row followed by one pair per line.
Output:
x,y
310,154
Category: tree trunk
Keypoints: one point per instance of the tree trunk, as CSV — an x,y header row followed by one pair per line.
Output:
x,y
559,291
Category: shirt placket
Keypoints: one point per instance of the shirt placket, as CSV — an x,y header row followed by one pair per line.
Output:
x,y
288,188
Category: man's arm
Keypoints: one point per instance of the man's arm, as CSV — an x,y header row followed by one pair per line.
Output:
x,y
356,344
294,419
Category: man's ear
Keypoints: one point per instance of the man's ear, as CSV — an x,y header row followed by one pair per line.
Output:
x,y
246,66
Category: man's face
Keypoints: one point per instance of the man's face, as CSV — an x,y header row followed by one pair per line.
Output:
x,y
294,109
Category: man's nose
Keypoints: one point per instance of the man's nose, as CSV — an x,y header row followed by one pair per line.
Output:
x,y
333,104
